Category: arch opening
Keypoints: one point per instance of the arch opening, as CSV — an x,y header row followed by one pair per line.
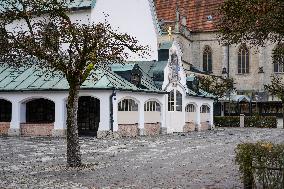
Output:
x,y
5,111
88,118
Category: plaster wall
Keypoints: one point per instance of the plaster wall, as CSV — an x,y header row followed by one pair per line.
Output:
x,y
152,117
127,117
19,99
190,117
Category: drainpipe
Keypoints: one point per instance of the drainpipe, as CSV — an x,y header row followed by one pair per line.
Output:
x,y
228,61
111,109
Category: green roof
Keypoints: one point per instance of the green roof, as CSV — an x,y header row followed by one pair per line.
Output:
x,y
31,78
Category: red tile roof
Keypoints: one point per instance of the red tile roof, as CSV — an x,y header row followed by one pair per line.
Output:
x,y
196,12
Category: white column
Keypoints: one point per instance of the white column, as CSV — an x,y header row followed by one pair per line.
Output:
x,y
141,117
115,110
104,113
211,121
198,124
60,117
18,116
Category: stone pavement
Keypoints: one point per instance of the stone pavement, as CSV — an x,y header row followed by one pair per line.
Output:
x,y
194,160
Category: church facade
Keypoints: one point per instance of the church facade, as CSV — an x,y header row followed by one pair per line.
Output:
x,y
193,24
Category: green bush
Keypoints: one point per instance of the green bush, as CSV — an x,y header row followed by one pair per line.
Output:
x,y
261,165
227,121
250,121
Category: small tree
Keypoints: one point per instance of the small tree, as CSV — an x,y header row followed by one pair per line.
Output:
x,y
250,21
48,35
215,85
276,88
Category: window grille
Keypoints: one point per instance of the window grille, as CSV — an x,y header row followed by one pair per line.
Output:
x,y
207,59
127,105
190,108
171,101
243,60
40,111
204,109
152,106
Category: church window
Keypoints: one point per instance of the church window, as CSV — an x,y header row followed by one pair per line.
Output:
x,y
127,105
207,59
190,108
152,106
171,101
178,101
278,59
243,60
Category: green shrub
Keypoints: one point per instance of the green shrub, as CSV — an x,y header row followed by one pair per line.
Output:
x,y
250,121
227,121
261,165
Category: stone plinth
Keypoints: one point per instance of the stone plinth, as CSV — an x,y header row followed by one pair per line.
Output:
x,y
36,129
152,129
189,127
128,130
4,128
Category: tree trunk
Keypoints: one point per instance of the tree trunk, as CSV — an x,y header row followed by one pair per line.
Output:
x,y
73,146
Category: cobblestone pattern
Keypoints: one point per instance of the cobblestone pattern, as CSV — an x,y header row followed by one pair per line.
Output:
x,y
192,160
189,127
152,129
128,130
4,127
36,129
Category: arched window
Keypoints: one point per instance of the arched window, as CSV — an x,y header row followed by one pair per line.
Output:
x,y
190,108
40,111
152,106
127,105
178,101
243,60
171,101
278,59
204,109
207,59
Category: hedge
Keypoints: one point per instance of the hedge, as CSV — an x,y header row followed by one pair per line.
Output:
x,y
261,165
250,121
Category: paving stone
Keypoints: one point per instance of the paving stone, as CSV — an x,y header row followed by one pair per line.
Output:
x,y
190,160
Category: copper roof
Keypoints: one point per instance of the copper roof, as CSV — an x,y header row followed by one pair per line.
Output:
x,y
198,13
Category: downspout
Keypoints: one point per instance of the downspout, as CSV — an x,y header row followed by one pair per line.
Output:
x,y
228,62
111,109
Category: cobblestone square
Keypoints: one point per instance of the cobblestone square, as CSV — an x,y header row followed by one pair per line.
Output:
x,y
193,160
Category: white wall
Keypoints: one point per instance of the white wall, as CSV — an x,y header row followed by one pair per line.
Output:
x,y
129,16
127,117
19,99
152,117
190,117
